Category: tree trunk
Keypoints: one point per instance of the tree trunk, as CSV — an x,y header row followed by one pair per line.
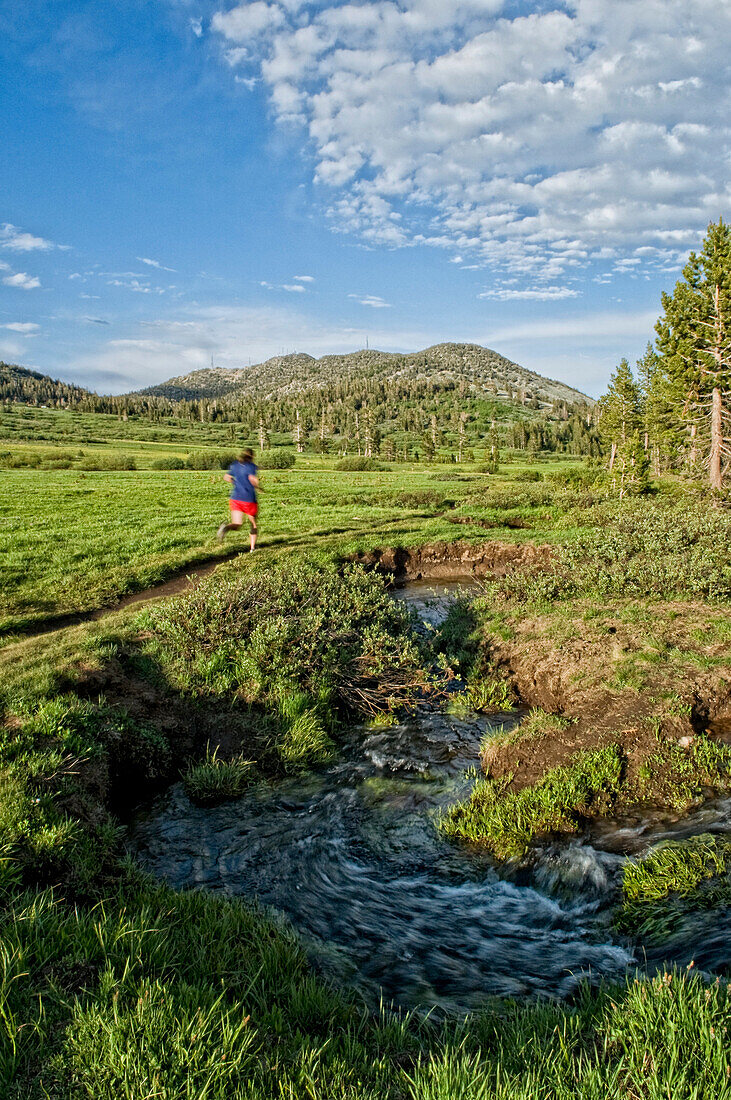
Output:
x,y
716,440
612,457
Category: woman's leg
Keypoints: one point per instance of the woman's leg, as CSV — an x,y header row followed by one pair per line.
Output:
x,y
237,518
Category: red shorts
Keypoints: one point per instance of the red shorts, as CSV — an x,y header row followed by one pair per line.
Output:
x,y
243,506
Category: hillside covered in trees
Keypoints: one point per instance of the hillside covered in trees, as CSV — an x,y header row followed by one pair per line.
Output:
x,y
451,400
30,387
285,375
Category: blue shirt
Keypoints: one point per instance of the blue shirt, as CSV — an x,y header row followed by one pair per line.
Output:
x,y
242,489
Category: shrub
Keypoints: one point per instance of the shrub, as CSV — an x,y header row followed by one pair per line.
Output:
x,y
170,462
278,459
358,462
107,462
302,630
528,475
577,477
199,460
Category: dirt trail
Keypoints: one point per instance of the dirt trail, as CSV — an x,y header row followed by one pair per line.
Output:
x,y
181,580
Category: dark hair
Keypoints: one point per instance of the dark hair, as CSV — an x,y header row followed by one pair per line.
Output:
x,y
246,456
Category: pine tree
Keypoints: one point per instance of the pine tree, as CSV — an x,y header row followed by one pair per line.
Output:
x,y
694,342
620,426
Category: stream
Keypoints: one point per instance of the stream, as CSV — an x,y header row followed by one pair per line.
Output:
x,y
350,855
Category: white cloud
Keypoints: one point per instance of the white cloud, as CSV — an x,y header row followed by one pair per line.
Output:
x,y
15,239
537,294
27,328
535,143
304,278
22,281
291,288
136,286
242,23
371,300
196,25
154,263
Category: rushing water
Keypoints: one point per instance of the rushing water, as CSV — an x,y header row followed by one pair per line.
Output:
x,y
351,855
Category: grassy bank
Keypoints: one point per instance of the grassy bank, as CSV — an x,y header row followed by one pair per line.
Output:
x,y
112,985
153,993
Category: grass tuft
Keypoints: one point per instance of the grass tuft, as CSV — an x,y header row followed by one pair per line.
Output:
x,y
506,821
214,780
673,878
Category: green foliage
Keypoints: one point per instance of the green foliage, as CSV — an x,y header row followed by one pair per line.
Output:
x,y
213,780
694,342
299,629
171,462
619,426
207,460
277,459
677,777
665,548
109,462
359,463
674,878
506,821
676,867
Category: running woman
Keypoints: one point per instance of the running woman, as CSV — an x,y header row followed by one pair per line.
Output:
x,y
242,478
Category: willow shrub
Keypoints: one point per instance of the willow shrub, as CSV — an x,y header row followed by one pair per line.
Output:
x,y
306,640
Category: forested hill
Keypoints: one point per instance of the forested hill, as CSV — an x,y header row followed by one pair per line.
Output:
x,y
29,387
286,375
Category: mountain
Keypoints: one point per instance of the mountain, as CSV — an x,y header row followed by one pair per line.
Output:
x,y
29,387
285,375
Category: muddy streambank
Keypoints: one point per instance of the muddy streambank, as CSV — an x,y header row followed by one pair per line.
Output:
x,y
453,560
573,665
350,854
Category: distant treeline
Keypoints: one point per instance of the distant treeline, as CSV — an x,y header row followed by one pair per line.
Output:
x,y
394,418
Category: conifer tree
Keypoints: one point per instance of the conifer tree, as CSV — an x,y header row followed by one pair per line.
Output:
x,y
620,425
694,342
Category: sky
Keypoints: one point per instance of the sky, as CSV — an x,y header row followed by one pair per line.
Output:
x,y
195,181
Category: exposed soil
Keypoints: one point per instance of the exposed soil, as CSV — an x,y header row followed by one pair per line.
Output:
x,y
570,676
447,560
569,671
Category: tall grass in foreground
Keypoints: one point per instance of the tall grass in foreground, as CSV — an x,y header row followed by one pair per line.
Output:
x,y
160,994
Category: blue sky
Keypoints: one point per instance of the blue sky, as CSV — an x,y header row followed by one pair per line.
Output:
x,y
187,180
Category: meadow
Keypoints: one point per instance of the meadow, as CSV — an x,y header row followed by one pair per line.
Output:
x,y
77,538
114,985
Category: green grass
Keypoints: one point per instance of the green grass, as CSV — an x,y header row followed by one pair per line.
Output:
x,y
77,541
505,822
114,986
676,777
157,993
213,780
673,879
